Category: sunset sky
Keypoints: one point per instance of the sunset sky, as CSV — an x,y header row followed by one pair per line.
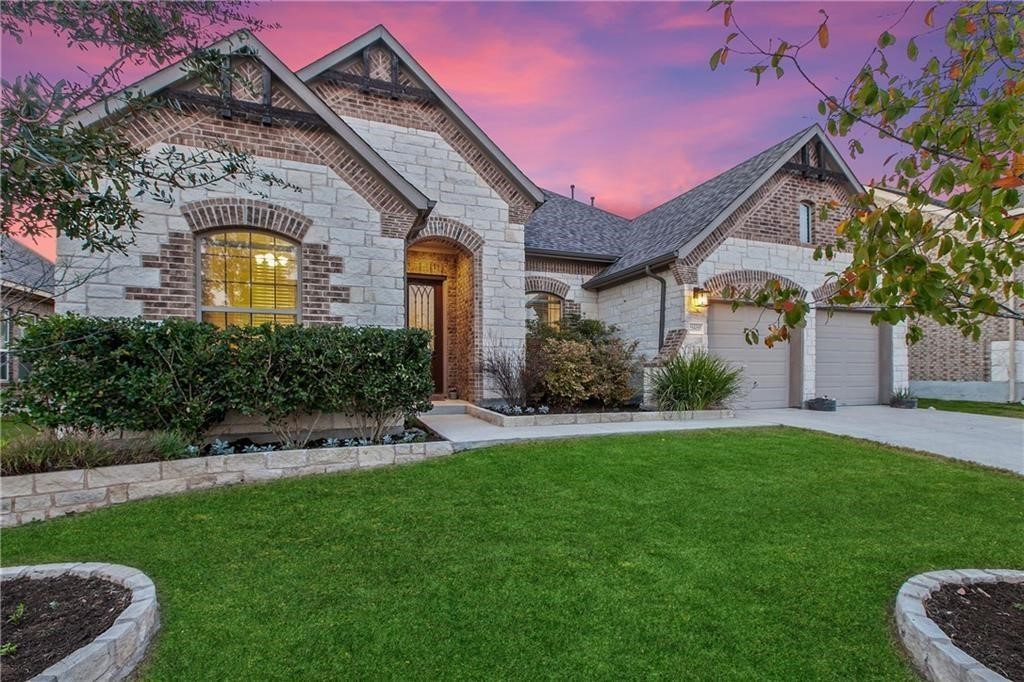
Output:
x,y
617,98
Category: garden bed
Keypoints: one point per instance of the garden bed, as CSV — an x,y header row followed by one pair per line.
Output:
x,y
34,497
75,621
963,624
498,419
986,621
48,618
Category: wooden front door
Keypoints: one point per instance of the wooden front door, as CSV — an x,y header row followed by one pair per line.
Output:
x,y
426,311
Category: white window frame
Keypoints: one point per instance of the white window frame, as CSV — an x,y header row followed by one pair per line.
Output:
x,y
806,222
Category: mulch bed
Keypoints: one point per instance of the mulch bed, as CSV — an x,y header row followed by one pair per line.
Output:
x,y
986,621
49,618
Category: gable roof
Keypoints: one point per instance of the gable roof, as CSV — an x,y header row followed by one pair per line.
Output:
x,y
25,269
382,35
243,43
566,227
680,224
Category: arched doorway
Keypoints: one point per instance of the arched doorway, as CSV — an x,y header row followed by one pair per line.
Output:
x,y
442,266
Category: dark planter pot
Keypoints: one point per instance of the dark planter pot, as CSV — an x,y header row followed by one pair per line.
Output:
x,y
821,404
904,404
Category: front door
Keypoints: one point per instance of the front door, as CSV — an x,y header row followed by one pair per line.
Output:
x,y
426,312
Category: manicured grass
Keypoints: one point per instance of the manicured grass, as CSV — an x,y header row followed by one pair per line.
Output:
x,y
974,407
731,554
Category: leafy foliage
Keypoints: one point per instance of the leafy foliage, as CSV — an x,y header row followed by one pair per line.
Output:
x,y
81,180
98,375
696,380
581,360
958,119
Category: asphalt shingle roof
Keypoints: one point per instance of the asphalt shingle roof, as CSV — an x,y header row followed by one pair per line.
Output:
x,y
22,266
666,228
568,226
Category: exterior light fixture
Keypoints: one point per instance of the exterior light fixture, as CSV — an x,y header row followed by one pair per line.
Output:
x,y
699,298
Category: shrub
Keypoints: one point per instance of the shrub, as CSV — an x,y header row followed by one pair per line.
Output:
x,y
605,364
392,378
44,451
696,380
95,375
569,371
516,379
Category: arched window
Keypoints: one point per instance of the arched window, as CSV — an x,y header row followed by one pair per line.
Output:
x,y
806,221
546,307
247,278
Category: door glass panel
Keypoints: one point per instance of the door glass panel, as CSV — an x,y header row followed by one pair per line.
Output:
x,y
421,309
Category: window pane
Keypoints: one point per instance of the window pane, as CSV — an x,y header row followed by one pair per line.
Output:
x,y
239,319
5,366
216,319
249,270
547,308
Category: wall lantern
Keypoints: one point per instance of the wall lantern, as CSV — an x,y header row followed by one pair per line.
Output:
x,y
699,298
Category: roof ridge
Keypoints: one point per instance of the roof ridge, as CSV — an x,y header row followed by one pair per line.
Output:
x,y
801,133
586,205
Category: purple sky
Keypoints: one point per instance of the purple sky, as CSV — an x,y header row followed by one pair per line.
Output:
x,y
615,97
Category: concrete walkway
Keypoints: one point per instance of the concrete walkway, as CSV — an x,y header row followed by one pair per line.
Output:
x,y
992,441
467,432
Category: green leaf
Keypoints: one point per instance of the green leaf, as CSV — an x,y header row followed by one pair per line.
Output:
x,y
912,50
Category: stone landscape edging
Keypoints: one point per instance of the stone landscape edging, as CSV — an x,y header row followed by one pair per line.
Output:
x,y
514,421
934,654
34,497
117,652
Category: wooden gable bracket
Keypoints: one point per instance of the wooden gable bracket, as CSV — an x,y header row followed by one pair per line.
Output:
x,y
266,119
807,170
377,86
266,113
394,74
225,86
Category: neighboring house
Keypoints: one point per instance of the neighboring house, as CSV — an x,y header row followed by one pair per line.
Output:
x,y
411,215
945,363
26,294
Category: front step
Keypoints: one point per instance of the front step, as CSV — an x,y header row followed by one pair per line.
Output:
x,y
448,407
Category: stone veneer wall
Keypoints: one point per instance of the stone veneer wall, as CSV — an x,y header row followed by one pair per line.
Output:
x,y
351,272
464,198
34,497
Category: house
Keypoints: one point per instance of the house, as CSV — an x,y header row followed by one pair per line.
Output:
x,y
409,214
26,294
947,365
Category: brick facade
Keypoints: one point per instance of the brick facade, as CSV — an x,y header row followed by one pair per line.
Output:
x,y
944,354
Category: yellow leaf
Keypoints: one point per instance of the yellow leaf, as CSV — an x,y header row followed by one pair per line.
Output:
x,y
823,35
929,17
1016,226
1017,166
728,15
841,227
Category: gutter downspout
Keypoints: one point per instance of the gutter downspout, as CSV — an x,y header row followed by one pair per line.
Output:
x,y
1011,360
661,312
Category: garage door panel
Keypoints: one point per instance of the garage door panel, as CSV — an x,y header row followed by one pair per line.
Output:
x,y
847,357
765,370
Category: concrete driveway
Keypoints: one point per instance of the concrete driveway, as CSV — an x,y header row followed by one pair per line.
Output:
x,y
992,441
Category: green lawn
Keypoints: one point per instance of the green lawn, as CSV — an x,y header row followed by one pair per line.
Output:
x,y
974,407
731,554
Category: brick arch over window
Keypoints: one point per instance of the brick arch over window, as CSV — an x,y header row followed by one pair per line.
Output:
x,y
451,231
742,279
213,214
547,285
176,296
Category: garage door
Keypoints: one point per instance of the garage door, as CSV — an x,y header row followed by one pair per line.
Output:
x,y
765,370
846,361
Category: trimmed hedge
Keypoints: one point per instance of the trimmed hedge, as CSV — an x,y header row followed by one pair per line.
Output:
x,y
102,375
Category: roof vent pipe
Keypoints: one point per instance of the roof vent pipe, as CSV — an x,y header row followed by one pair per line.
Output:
x,y
572,191
591,201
